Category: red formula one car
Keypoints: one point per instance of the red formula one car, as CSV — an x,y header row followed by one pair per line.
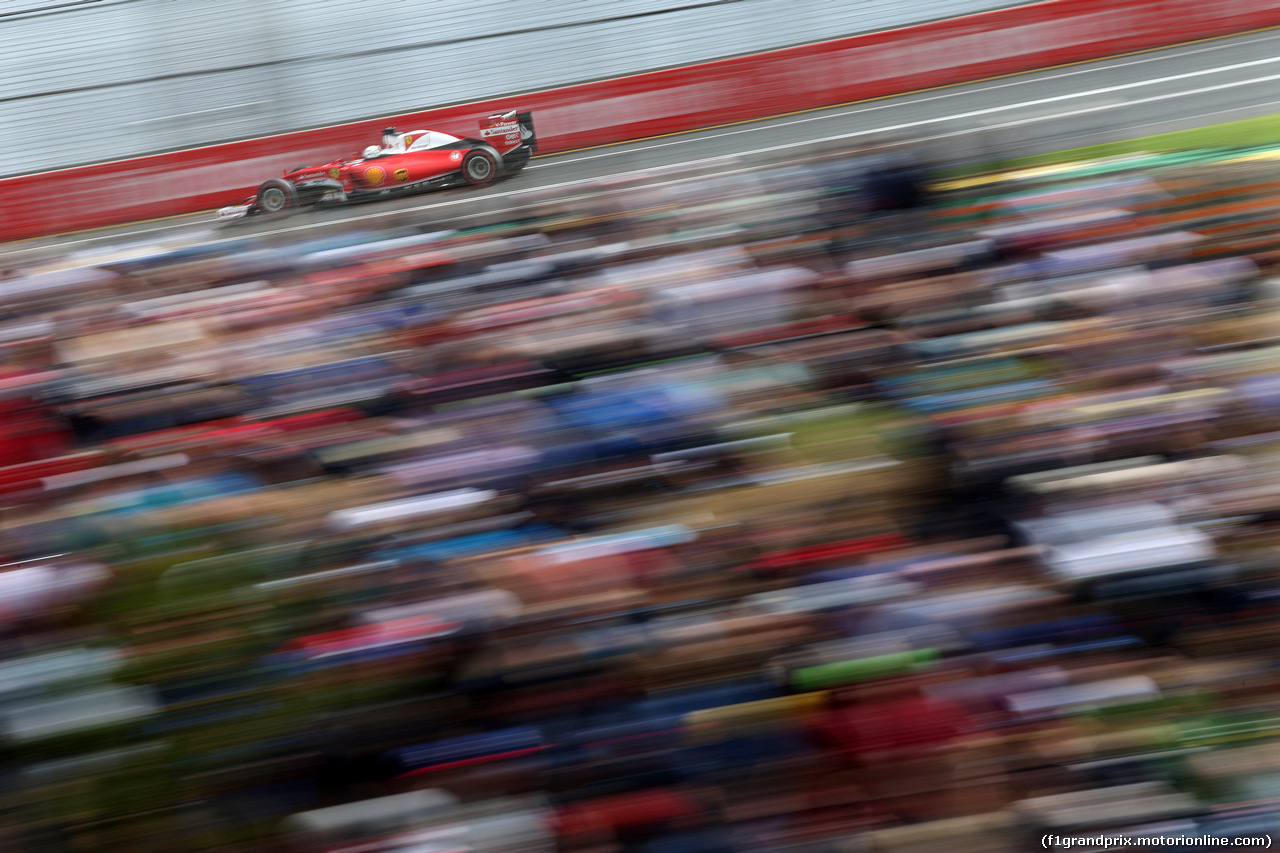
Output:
x,y
405,163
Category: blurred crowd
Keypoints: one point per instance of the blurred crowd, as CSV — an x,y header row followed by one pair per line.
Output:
x,y
834,506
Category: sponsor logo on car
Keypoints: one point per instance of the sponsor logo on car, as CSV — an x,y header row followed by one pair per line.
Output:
x,y
375,175
408,140
402,175
456,155
505,129
334,173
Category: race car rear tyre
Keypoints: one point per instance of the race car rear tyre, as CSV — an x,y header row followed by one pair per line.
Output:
x,y
276,196
479,167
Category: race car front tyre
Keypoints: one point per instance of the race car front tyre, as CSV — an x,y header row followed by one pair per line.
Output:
x,y
276,196
479,167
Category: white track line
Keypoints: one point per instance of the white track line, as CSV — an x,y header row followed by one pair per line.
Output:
x,y
1120,87
979,87
1120,105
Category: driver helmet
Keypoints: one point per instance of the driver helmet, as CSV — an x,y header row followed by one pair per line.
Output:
x,y
371,152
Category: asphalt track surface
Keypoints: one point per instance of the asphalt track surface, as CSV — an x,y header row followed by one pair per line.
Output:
x,y
1125,97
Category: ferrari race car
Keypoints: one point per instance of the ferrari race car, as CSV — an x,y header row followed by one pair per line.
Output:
x,y
405,163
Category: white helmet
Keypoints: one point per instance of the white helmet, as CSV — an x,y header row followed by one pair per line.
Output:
x,y
371,152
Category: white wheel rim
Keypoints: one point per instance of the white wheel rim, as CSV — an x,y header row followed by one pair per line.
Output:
x,y
479,168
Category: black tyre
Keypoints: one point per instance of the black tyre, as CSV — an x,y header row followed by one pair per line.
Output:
x,y
479,167
276,196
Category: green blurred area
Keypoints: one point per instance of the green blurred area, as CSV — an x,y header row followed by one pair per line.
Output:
x,y
864,431
1228,139
1245,137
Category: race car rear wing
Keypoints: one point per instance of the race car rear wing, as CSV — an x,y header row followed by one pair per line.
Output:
x,y
508,131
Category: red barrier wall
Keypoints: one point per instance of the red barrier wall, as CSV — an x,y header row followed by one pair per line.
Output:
x,y
817,75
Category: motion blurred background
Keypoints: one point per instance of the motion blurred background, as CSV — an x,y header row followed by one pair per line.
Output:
x,y
784,471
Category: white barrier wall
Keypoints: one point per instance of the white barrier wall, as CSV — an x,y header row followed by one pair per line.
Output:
x,y
84,82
